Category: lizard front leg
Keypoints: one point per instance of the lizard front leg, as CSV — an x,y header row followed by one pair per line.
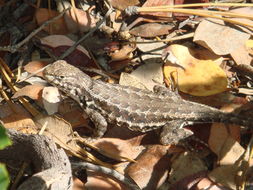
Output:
x,y
173,132
161,90
98,120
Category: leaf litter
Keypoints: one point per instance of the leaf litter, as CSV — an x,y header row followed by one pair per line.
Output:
x,y
204,51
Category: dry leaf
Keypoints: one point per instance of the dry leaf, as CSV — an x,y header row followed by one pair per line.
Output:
x,y
122,4
195,71
154,48
232,166
225,175
117,148
51,99
18,122
147,75
219,38
231,152
151,168
56,27
208,184
59,130
241,56
97,181
154,3
16,117
189,182
32,91
246,11
151,30
127,79
33,66
74,115
124,53
219,135
186,164
85,20
59,44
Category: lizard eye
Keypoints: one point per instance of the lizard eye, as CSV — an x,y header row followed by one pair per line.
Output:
x,y
61,77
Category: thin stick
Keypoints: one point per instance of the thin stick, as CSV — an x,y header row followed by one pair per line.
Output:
x,y
14,48
231,14
127,181
72,48
182,37
206,5
195,12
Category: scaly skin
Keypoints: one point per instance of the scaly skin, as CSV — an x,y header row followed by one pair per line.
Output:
x,y
139,110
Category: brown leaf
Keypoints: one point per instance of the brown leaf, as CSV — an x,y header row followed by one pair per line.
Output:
x,y
246,11
82,21
122,4
14,116
189,181
210,185
59,44
241,55
218,37
117,148
56,27
33,66
124,53
151,169
59,130
151,30
98,181
33,91
185,165
225,175
146,76
153,3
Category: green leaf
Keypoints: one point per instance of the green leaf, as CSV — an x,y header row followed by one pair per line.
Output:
x,y
4,177
4,139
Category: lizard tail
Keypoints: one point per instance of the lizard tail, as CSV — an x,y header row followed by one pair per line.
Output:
x,y
238,119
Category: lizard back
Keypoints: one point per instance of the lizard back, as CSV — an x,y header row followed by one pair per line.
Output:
x,y
137,109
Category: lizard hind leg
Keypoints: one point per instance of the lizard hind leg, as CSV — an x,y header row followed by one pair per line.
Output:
x,y
174,133
163,91
98,120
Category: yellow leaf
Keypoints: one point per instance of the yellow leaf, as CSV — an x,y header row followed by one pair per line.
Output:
x,y
195,71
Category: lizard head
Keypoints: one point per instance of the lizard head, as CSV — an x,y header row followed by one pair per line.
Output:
x,y
66,77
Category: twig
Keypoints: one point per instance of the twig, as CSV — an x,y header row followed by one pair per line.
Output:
x,y
19,176
208,4
72,48
181,37
127,181
223,13
14,89
202,13
33,74
16,47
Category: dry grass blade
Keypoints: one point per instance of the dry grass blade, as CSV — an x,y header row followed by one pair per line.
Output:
x,y
222,13
181,37
206,5
203,13
22,100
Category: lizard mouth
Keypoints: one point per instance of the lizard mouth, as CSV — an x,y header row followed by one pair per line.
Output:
x,y
49,78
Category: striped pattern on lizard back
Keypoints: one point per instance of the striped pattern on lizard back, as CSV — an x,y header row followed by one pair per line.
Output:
x,y
143,110
131,107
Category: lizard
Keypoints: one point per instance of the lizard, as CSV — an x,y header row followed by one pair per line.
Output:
x,y
138,109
